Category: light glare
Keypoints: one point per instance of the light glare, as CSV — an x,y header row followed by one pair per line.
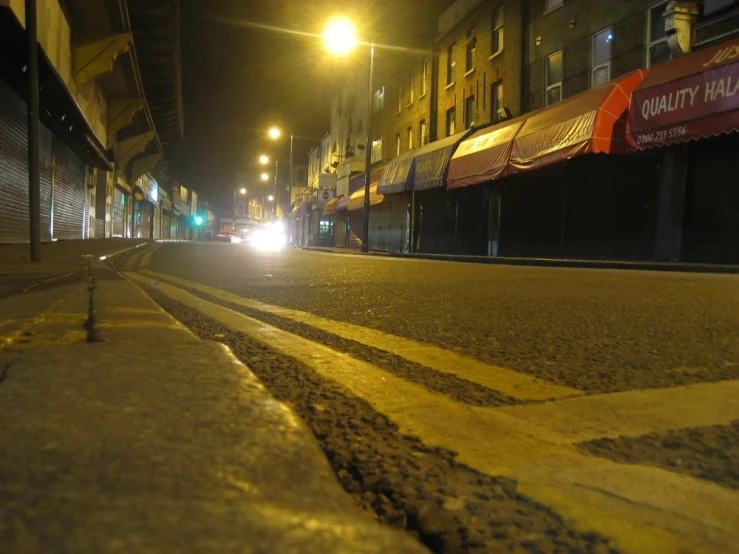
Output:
x,y
264,177
339,35
274,133
263,160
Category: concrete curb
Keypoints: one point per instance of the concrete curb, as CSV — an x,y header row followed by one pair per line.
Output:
x,y
548,262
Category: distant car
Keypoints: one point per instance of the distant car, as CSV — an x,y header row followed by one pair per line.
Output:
x,y
224,236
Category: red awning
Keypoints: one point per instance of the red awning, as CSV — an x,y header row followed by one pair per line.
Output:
x,y
693,96
356,200
484,156
592,121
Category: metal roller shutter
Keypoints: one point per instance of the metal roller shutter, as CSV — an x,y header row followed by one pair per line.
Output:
x,y
173,227
14,217
144,220
354,229
376,231
157,227
711,224
70,194
119,210
165,226
340,230
396,219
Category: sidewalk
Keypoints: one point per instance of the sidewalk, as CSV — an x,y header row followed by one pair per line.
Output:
x,y
148,439
60,258
542,262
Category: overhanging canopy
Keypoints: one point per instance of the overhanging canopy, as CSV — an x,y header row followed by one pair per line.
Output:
x,y
693,96
593,121
484,156
356,200
330,207
420,169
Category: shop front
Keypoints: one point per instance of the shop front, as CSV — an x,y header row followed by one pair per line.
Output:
x,y
687,112
428,210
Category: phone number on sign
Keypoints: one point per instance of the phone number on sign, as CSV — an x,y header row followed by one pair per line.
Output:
x,y
662,135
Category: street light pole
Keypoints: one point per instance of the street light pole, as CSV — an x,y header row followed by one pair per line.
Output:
x,y
368,155
274,189
290,178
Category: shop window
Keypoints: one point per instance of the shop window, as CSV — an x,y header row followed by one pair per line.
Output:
x,y
451,65
712,6
451,115
601,72
497,45
657,48
554,74
469,112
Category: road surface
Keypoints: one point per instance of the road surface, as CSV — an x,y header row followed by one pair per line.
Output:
x,y
487,408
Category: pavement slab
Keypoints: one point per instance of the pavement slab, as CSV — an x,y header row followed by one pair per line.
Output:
x,y
148,439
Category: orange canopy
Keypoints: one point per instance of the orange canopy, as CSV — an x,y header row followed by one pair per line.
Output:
x,y
592,121
356,200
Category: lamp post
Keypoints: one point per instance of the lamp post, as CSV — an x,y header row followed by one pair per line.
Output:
x,y
340,38
264,160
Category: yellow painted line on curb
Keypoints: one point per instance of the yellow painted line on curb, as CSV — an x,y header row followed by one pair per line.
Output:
x,y
514,384
642,509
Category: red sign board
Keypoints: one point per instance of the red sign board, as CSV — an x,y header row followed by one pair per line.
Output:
x,y
693,96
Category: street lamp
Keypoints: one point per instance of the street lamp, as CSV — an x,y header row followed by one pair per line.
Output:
x,y
274,133
264,177
340,38
242,192
263,159
270,198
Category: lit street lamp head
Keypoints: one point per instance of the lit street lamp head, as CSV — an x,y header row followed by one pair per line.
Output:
x,y
264,177
274,133
339,35
242,190
263,160
270,198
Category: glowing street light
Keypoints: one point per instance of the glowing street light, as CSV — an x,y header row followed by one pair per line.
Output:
x,y
274,133
242,190
264,177
339,35
270,198
263,159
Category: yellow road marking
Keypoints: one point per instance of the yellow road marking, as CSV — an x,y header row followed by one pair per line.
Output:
x,y
643,509
514,384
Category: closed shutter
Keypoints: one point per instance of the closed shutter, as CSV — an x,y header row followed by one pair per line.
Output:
x,y
157,223
165,226
14,216
70,193
173,227
340,230
100,205
711,224
145,220
377,234
119,210
354,229
396,219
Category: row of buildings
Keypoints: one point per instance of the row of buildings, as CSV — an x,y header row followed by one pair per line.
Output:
x,y
110,101
542,128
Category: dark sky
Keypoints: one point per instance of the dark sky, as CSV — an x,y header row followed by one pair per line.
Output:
x,y
237,75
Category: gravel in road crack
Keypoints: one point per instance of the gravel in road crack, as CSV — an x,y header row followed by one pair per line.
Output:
x,y
710,453
396,478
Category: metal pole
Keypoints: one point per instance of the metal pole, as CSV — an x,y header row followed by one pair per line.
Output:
x,y
34,183
274,190
368,156
234,214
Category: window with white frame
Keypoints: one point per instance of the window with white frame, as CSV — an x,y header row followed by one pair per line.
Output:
x,y
451,117
451,65
470,52
469,111
497,44
554,71
379,99
601,72
397,145
411,88
554,4
422,132
496,100
400,96
376,150
410,138
424,76
657,48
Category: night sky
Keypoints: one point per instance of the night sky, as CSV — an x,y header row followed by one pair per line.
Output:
x,y
237,75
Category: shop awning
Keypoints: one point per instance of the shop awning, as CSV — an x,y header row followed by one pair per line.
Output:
x,y
420,169
484,156
330,207
302,210
356,200
593,121
342,204
690,97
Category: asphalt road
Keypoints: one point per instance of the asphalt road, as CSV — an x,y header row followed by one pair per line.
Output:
x,y
595,330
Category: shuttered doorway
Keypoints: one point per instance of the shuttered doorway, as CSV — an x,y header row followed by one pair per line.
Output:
x,y
70,194
119,211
